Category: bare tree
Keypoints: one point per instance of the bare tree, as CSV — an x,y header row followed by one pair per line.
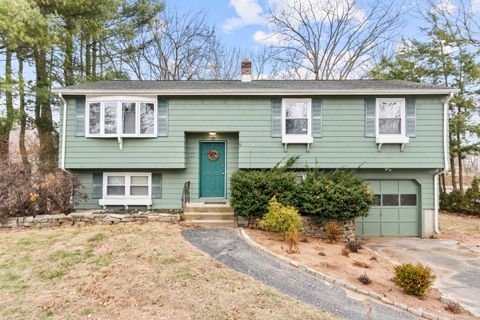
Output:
x,y
331,39
181,46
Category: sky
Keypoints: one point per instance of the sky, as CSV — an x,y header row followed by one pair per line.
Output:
x,y
240,23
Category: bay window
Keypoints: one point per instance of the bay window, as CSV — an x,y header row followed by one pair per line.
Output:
x,y
297,121
121,117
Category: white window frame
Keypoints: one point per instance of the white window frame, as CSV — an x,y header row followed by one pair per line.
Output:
x,y
391,138
297,138
127,176
118,100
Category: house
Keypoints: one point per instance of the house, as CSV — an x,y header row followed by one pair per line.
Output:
x,y
137,143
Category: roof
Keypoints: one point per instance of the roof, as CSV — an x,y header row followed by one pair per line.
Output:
x,y
258,87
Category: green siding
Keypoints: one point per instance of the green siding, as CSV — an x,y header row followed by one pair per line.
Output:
x,y
343,142
173,179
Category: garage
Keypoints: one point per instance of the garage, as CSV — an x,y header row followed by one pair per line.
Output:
x,y
395,212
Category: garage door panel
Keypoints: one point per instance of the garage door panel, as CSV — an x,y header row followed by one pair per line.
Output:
x,y
390,229
374,186
390,215
389,186
409,229
407,186
408,215
371,228
374,215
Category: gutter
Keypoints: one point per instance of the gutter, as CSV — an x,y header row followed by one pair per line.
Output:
x,y
446,165
64,131
252,92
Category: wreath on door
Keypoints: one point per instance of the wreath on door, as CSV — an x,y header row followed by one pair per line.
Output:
x,y
213,155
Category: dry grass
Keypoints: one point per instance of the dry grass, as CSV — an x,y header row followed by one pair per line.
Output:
x,y
459,227
128,271
333,263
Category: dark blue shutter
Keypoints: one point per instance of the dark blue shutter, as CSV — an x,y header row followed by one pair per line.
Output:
x,y
276,118
97,185
79,116
317,118
370,117
156,185
411,115
162,115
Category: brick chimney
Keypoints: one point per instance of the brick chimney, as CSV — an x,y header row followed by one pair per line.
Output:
x,y
246,70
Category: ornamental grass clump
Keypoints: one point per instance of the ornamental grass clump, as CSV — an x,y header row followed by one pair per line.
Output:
x,y
281,219
414,279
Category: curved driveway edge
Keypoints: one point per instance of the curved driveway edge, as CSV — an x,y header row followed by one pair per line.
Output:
x,y
227,246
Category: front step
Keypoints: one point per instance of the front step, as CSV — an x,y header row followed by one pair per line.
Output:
x,y
187,216
210,223
194,208
209,215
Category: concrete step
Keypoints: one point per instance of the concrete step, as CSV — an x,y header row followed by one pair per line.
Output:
x,y
210,223
208,216
222,208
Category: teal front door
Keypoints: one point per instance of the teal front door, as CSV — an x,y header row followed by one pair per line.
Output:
x,y
212,169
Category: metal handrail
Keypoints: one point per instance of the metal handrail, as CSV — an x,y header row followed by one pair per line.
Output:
x,y
186,194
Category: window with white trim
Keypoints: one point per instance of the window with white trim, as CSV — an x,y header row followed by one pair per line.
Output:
x,y
390,120
127,185
116,117
297,121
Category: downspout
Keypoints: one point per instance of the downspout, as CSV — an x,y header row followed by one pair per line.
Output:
x,y
64,132
445,165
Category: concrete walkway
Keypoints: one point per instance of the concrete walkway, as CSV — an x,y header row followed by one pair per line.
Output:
x,y
457,266
227,247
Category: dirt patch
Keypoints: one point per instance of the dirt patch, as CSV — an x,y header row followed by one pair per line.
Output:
x,y
460,227
328,259
129,271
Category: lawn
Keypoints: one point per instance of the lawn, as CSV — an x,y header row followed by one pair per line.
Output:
x,y
129,271
463,228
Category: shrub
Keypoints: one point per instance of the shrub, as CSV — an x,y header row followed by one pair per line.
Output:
x,y
24,193
453,307
338,195
361,264
353,246
17,192
364,279
252,189
415,280
333,232
457,201
292,240
281,219
345,252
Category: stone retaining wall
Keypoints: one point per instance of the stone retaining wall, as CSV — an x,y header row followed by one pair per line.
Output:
x,y
84,218
312,228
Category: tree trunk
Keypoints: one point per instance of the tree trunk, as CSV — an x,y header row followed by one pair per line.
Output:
x,y
460,170
453,172
23,114
68,62
94,60
43,113
443,183
88,65
7,123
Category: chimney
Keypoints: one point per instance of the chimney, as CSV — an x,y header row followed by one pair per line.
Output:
x,y
246,70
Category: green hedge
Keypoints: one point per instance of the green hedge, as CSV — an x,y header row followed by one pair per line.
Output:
x,y
457,201
252,189
338,195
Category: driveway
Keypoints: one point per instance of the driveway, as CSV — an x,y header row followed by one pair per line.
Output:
x,y
457,266
229,248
